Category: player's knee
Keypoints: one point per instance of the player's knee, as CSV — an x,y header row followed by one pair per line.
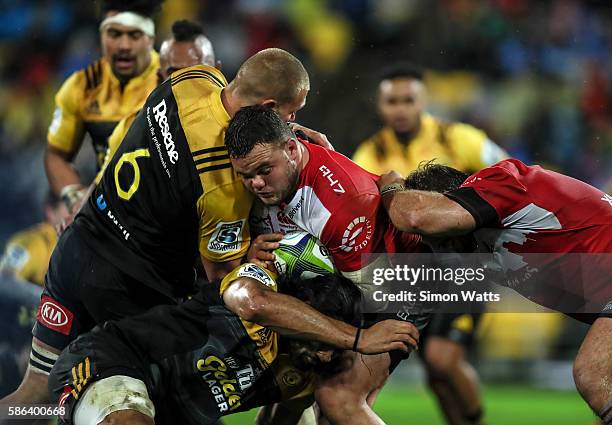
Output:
x,y
127,417
440,365
586,377
337,405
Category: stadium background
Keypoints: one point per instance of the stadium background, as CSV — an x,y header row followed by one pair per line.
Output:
x,y
535,75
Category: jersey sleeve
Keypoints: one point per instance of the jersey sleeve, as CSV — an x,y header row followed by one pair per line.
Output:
x,y
224,229
473,148
251,270
66,130
350,231
490,195
114,141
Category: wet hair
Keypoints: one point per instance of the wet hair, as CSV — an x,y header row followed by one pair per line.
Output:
x,y
255,125
148,8
435,178
185,30
402,70
334,296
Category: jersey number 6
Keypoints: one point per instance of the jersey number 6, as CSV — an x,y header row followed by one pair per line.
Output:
x,y
130,158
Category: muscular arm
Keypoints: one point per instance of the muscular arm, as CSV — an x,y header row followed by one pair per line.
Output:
x,y
60,171
427,213
255,302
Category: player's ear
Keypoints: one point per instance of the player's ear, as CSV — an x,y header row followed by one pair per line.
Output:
x,y
292,149
270,103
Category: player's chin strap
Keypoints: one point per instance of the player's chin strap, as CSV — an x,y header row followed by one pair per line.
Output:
x,y
131,19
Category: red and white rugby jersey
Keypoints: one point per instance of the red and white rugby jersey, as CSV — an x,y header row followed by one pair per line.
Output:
x,y
338,202
534,217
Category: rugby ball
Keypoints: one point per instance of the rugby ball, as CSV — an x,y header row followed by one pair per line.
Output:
x,y
302,256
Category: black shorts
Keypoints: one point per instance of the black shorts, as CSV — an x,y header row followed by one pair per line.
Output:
x,y
83,289
458,327
420,321
90,358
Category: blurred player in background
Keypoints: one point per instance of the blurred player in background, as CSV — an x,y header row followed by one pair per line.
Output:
x,y
410,136
187,47
22,271
92,101
551,236
167,197
27,253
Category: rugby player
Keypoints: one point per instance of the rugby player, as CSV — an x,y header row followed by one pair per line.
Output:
x,y
188,46
537,223
307,187
22,270
92,100
411,135
168,197
27,252
239,344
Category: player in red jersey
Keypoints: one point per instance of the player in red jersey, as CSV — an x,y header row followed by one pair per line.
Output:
x,y
307,187
550,234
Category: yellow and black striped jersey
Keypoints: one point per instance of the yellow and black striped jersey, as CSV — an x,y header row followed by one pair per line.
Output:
x,y
169,191
28,252
92,101
454,144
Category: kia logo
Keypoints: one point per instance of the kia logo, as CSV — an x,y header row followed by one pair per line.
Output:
x,y
53,314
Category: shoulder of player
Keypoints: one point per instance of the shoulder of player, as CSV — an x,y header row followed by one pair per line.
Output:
x,y
455,131
38,233
331,174
88,78
371,141
205,74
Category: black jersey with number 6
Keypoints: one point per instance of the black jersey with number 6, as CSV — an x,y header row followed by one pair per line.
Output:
x,y
169,191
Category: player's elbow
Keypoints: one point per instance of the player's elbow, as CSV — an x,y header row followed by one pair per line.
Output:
x,y
256,308
408,221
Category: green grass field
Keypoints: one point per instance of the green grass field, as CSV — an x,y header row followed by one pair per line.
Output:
x,y
504,406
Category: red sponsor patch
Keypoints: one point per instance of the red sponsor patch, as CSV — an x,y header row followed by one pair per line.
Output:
x,y
53,315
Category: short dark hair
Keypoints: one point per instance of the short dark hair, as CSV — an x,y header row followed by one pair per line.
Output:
x,y
336,297
148,8
253,125
185,30
435,178
402,70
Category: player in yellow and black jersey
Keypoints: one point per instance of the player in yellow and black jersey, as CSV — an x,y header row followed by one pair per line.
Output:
x,y
167,197
230,356
188,46
93,100
410,135
27,252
